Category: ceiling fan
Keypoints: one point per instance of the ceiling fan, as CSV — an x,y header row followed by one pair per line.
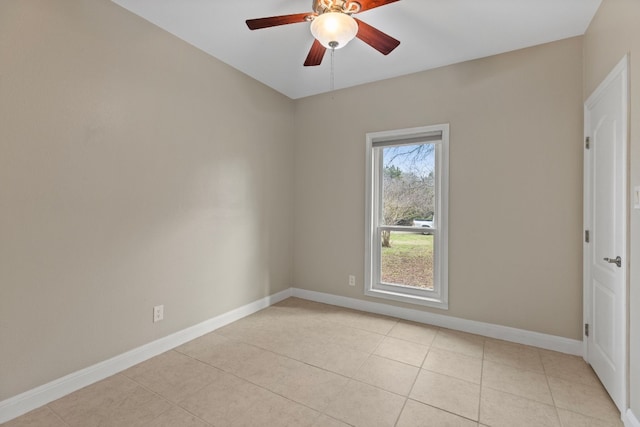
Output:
x,y
333,26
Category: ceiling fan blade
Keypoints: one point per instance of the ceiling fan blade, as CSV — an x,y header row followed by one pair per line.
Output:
x,y
274,21
371,4
375,38
315,54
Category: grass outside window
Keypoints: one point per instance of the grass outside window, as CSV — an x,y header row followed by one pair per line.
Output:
x,y
409,260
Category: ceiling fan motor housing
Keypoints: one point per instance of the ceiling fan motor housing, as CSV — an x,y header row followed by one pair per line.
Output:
x,y
341,6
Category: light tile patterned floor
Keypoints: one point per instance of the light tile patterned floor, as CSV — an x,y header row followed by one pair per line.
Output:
x,y
301,363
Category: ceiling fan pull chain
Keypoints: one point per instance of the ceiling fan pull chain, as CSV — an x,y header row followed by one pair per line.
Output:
x,y
331,82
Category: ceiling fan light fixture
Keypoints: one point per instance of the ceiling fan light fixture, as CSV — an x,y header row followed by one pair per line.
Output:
x,y
334,29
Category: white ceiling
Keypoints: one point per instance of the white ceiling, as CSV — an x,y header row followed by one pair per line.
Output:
x,y
433,33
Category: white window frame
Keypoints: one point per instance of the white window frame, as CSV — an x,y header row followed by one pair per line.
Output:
x,y
375,141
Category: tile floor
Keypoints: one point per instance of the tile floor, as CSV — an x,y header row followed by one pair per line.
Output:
x,y
301,363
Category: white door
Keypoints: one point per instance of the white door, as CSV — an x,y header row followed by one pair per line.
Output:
x,y
605,215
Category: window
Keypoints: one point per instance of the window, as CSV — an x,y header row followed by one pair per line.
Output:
x,y
407,211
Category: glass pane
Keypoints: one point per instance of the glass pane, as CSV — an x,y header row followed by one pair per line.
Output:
x,y
408,185
407,259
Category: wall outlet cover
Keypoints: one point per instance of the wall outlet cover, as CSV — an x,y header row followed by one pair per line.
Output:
x,y
158,313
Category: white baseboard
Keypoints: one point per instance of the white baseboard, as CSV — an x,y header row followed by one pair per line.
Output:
x,y
521,336
630,420
39,396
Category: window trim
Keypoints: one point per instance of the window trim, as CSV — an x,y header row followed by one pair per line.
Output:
x,y
373,287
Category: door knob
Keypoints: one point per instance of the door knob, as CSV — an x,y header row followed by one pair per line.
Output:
x,y
617,261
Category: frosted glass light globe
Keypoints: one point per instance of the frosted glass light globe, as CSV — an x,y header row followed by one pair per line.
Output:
x,y
334,29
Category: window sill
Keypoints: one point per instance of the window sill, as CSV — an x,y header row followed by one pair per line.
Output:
x,y
409,299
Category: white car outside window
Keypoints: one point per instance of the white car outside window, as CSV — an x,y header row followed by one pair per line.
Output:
x,y
423,223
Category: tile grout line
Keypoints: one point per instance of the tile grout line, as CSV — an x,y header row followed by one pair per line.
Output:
x,y
56,414
172,404
548,376
267,350
406,398
411,388
484,344
553,399
320,412
420,368
404,404
179,404
139,385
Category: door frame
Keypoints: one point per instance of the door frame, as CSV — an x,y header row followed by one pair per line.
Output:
x,y
621,69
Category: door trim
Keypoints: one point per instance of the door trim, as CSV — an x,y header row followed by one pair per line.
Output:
x,y
621,69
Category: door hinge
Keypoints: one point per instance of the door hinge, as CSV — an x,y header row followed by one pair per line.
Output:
x,y
587,142
586,329
586,236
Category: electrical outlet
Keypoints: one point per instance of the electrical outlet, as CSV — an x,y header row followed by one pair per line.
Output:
x,y
352,280
158,313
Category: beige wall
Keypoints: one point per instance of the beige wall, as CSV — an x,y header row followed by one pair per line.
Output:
x,y
134,170
614,32
515,183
